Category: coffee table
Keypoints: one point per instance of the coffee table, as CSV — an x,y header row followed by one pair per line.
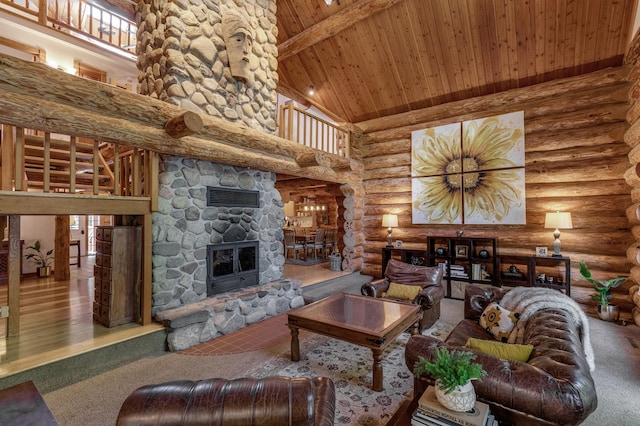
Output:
x,y
365,321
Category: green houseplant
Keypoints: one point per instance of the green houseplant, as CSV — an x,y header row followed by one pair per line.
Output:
x,y
606,310
453,371
42,259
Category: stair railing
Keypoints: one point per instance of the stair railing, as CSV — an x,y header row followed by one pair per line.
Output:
x,y
304,128
44,162
79,18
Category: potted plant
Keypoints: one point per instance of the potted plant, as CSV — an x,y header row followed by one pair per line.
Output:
x,y
606,310
453,371
42,260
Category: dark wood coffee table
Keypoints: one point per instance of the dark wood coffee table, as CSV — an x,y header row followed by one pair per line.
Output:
x,y
365,321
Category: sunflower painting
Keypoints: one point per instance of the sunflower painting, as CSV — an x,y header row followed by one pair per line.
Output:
x,y
471,172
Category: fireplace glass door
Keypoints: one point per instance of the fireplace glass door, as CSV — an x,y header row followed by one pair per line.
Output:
x,y
231,266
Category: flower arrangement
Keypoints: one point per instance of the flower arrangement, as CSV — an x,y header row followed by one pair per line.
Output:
x,y
451,368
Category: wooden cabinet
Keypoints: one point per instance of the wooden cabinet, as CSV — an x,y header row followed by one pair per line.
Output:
x,y
117,275
413,256
464,260
534,271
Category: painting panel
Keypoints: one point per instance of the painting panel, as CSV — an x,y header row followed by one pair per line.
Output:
x,y
493,142
495,197
436,151
433,203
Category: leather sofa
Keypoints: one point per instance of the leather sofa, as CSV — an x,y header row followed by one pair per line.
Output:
x,y
270,401
428,278
554,387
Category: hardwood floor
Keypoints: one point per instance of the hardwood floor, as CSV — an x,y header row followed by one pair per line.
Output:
x,y
56,319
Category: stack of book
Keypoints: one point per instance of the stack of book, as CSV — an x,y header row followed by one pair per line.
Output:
x,y
431,413
458,271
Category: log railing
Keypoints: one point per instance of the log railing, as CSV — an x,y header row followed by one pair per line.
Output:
x,y
80,19
44,162
299,126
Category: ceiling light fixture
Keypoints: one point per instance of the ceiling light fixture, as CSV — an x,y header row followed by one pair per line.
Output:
x,y
328,2
312,90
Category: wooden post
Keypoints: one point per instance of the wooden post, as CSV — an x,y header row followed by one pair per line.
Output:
x,y
14,276
8,153
61,270
147,241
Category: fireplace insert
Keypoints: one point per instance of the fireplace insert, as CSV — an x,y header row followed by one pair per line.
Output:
x,y
232,266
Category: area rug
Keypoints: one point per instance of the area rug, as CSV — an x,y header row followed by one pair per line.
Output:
x,y
349,366
305,262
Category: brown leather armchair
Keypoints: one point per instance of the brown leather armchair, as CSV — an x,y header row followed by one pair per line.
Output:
x,y
429,278
271,401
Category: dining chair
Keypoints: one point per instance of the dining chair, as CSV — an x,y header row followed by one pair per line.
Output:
x,y
291,245
317,244
330,240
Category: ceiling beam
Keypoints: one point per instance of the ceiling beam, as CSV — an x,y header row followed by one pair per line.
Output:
x,y
331,26
300,184
124,8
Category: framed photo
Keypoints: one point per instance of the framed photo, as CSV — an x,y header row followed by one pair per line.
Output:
x,y
462,251
541,251
398,243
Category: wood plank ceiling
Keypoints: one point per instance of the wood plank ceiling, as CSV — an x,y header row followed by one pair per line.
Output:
x,y
411,54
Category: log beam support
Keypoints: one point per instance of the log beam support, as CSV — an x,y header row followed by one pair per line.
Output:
x,y
185,124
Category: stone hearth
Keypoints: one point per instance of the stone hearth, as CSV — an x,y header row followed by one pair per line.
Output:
x,y
213,317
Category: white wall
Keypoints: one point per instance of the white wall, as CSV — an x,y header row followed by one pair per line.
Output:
x,y
34,228
43,228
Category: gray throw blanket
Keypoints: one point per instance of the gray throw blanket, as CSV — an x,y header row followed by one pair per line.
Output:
x,y
528,300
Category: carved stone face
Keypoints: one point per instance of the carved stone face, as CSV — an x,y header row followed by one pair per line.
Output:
x,y
238,40
238,50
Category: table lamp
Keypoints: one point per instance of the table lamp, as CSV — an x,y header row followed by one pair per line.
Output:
x,y
389,221
557,220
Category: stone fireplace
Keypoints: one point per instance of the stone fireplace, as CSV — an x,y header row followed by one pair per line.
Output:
x,y
218,59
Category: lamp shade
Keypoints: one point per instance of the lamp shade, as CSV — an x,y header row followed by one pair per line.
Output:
x,y
558,220
389,220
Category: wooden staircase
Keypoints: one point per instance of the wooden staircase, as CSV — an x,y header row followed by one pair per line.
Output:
x,y
60,165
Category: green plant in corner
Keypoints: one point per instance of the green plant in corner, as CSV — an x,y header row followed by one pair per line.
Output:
x,y
41,259
451,368
602,287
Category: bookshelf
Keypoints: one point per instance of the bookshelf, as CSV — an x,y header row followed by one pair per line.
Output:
x,y
465,260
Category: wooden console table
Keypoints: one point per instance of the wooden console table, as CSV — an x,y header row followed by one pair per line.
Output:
x,y
530,267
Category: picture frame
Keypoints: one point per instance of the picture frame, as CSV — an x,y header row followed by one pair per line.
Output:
x,y
462,251
398,244
541,251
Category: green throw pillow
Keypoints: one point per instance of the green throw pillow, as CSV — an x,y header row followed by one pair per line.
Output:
x,y
498,321
403,291
508,351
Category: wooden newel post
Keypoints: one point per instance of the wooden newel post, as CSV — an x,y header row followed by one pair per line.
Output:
x,y
185,124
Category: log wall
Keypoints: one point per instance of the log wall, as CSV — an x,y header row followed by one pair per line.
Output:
x,y
632,175
575,160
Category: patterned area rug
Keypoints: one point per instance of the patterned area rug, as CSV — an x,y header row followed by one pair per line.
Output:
x,y
349,366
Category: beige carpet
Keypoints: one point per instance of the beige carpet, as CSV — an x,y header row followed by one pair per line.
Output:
x,y
96,401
